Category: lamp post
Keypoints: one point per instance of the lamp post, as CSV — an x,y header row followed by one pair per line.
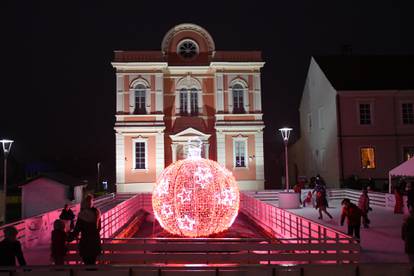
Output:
x,y
6,149
285,134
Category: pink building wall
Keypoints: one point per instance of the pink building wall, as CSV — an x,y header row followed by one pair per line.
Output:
x,y
386,133
132,175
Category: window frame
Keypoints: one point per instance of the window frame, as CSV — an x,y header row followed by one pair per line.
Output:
x,y
360,157
370,112
240,89
194,109
246,153
187,40
134,159
183,93
402,113
143,90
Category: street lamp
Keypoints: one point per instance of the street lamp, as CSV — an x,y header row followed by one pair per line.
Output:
x,y
7,144
285,134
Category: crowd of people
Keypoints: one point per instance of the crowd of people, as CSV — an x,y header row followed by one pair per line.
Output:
x,y
351,212
65,230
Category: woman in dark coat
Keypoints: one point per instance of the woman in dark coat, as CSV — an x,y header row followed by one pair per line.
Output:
x,y
89,225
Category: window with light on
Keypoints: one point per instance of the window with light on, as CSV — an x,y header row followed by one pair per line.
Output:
x,y
368,158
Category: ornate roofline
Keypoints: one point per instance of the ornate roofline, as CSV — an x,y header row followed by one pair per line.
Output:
x,y
187,27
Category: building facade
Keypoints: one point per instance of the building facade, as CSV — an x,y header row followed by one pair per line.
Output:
x,y
183,91
355,121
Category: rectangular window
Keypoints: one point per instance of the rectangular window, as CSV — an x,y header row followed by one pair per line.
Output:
x,y
365,114
140,155
140,102
368,158
408,153
194,102
238,105
184,102
407,113
240,153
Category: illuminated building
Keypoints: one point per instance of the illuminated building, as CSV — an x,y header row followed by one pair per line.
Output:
x,y
187,89
356,118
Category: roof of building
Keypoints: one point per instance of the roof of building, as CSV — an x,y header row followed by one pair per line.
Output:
x,y
58,177
219,56
379,72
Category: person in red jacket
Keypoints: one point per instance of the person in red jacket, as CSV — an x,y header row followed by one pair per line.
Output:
x,y
353,215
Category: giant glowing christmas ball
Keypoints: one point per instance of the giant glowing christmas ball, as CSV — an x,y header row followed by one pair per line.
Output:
x,y
195,197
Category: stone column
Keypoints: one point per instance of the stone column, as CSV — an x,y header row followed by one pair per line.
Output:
x,y
206,150
174,152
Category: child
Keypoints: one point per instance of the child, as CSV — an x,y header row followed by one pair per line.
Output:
x,y
10,248
308,199
58,250
353,215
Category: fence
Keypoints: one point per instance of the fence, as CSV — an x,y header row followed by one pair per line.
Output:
x,y
295,240
36,230
148,270
288,227
376,198
114,219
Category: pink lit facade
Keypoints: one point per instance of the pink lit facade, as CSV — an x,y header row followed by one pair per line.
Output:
x,y
351,132
185,90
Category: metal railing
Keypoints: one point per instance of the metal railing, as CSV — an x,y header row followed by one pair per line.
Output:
x,y
390,269
295,240
37,229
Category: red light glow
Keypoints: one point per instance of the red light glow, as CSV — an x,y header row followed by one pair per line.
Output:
x,y
195,197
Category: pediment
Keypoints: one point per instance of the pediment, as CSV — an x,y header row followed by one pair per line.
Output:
x,y
189,133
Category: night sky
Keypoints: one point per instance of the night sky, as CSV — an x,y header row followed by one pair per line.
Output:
x,y
58,86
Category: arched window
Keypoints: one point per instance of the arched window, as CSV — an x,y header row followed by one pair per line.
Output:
x,y
183,101
188,100
140,102
238,98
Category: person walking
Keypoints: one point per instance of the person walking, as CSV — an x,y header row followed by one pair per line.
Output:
x,y
353,215
407,234
363,205
321,204
398,193
88,225
321,201
67,216
11,248
58,244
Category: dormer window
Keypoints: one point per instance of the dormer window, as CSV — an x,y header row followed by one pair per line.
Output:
x,y
187,49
